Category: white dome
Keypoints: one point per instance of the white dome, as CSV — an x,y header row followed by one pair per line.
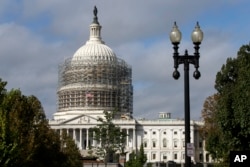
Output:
x,y
96,51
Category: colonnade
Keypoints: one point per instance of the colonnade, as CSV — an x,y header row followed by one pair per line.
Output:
x,y
84,139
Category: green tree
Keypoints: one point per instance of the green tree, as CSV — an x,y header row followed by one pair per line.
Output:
x,y
8,149
208,114
232,108
110,137
137,160
233,86
210,131
142,157
133,161
70,151
25,136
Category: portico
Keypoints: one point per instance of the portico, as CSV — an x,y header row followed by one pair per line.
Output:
x,y
82,136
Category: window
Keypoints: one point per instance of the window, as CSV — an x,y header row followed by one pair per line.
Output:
x,y
164,132
164,142
175,156
200,144
175,132
145,144
201,157
154,133
153,156
154,143
165,157
207,157
175,144
145,132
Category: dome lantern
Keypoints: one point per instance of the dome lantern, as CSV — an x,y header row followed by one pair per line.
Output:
x,y
95,30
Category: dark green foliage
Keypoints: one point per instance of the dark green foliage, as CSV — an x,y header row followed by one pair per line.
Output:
x,y
25,136
234,103
137,160
132,162
210,132
110,136
142,157
232,109
70,151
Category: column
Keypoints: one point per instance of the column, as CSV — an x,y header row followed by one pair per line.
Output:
x,y
87,138
134,139
150,139
74,135
127,137
159,145
171,139
159,138
80,139
94,141
192,134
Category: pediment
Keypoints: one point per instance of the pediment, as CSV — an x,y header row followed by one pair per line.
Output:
x,y
81,119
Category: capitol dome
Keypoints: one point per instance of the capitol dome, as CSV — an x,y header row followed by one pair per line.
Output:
x,y
94,79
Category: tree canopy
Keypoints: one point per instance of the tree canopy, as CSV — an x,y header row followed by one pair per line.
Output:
x,y
25,136
109,136
137,160
230,114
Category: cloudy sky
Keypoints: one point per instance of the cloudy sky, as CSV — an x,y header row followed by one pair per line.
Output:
x,y
37,35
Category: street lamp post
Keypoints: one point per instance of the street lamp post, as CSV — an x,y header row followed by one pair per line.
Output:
x,y
186,59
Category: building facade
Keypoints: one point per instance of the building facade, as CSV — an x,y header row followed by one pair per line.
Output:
x,y
95,80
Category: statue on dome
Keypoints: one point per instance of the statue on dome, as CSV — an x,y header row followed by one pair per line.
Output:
x,y
95,15
95,11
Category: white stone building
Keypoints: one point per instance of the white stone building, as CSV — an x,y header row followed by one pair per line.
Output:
x,y
95,80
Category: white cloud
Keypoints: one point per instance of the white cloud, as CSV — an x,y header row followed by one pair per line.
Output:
x,y
28,63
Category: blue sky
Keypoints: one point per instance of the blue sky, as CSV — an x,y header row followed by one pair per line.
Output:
x,y
37,35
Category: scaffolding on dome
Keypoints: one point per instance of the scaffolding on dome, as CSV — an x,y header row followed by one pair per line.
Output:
x,y
93,83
